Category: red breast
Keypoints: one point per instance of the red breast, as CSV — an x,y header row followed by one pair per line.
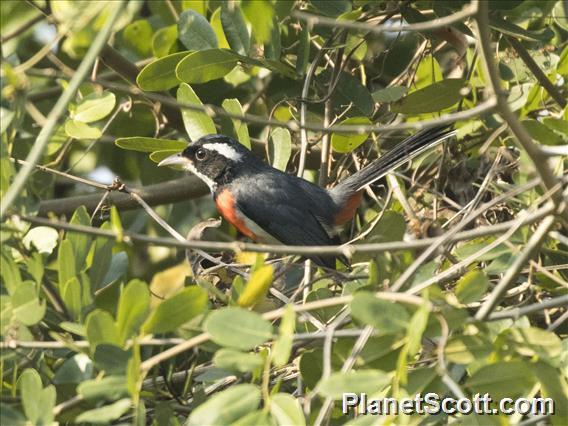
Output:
x,y
226,205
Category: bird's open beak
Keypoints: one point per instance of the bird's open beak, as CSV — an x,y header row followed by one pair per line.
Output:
x,y
173,160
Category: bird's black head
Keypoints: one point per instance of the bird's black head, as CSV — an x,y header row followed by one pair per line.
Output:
x,y
215,159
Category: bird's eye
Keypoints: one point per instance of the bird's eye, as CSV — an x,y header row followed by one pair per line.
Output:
x,y
201,154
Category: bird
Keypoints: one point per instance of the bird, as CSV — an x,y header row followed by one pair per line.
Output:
x,y
274,207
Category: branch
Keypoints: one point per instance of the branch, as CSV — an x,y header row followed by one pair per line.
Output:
x,y
161,193
526,310
277,313
517,129
293,125
467,11
58,110
513,271
537,71
238,247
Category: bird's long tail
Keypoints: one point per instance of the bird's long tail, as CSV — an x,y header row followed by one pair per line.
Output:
x,y
404,151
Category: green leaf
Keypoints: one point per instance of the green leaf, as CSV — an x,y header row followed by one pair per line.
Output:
x,y
349,90
66,265
332,8
76,369
259,13
226,407
472,286
467,349
26,305
94,107
101,260
286,410
240,128
206,65
532,341
503,379
554,386
161,73
10,416
80,242
164,42
105,414
137,36
142,144
303,55
235,28
257,286
386,317
176,311
158,156
389,94
416,327
282,347
347,142
509,28
111,359
194,31
217,26
78,130
197,123
109,388
31,387
71,295
42,238
362,381
233,360
432,98
237,328
280,148
132,308
542,133
9,271
101,328
558,125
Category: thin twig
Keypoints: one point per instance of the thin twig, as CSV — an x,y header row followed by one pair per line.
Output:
x,y
521,259
58,110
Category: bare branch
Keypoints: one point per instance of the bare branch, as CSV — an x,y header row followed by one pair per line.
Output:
x,y
467,11
513,271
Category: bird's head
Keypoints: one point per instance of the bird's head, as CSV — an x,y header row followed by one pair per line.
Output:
x,y
213,158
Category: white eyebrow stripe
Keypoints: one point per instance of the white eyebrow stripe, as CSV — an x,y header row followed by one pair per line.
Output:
x,y
225,150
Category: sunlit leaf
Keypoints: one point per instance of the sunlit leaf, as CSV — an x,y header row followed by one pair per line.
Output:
x,y
197,123
237,328
161,73
206,65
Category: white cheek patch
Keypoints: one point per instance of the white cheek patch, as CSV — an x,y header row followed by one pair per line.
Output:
x,y
208,181
225,150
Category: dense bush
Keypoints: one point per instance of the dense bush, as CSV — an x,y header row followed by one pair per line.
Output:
x,y
458,278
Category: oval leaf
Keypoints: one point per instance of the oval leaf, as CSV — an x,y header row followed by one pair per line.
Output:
x,y
235,28
238,328
471,286
94,106
142,144
386,317
206,65
197,123
230,359
80,130
161,73
194,31
177,310
347,142
363,381
280,148
257,286
432,98
286,410
226,407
